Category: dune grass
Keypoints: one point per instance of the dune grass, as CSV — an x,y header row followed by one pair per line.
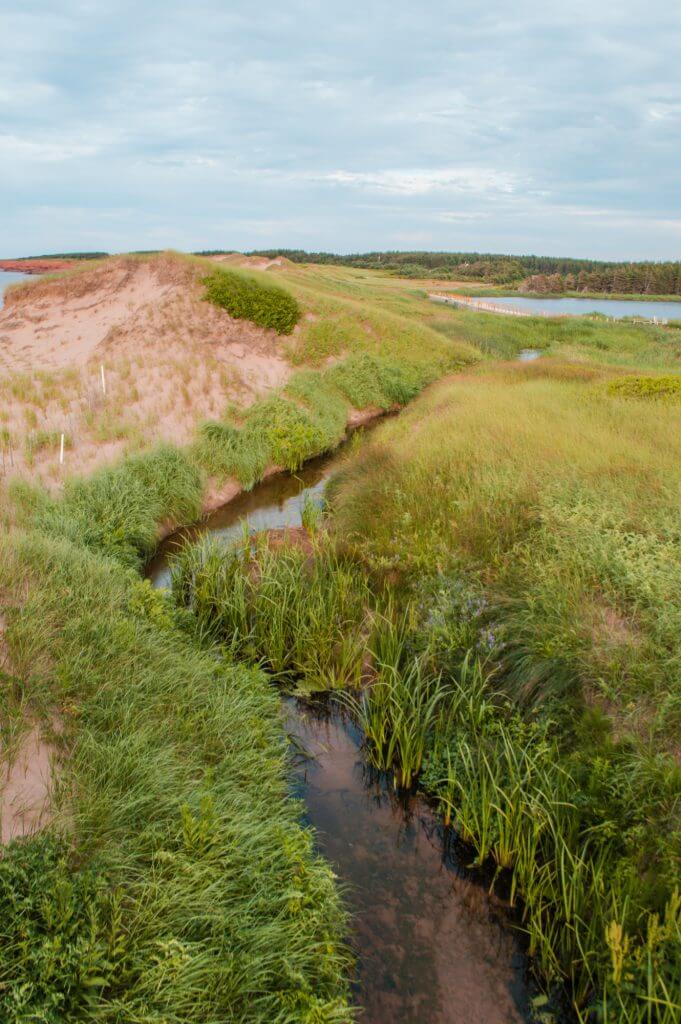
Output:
x,y
118,509
175,881
306,418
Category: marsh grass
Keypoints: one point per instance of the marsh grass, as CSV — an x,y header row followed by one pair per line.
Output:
x,y
593,340
299,613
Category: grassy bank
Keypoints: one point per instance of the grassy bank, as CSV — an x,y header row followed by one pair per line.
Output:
x,y
506,551
175,880
547,551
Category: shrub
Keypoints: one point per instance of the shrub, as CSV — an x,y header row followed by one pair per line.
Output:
x,y
247,298
668,387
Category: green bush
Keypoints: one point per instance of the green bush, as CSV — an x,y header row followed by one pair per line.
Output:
x,y
647,387
248,298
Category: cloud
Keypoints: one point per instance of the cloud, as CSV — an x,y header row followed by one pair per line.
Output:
x,y
12,147
550,129
422,181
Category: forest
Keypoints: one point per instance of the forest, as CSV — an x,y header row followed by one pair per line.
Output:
x,y
543,274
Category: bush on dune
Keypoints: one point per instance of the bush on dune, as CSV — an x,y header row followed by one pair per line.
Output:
x,y
246,297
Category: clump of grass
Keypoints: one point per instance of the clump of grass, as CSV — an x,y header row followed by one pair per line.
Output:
x,y
661,388
366,380
117,510
246,297
300,614
40,440
397,709
324,338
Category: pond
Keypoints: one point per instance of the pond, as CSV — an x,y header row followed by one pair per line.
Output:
x,y
616,308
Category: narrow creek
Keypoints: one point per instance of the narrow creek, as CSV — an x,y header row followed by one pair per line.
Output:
x,y
432,946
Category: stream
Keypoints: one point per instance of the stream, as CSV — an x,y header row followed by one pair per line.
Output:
x,y
432,946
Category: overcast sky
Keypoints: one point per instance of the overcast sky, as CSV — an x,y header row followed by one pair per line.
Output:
x,y
552,128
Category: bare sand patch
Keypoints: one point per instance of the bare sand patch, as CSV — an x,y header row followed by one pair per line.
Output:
x,y
25,783
170,360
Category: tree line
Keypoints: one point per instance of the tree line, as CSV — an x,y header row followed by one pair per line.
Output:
x,y
527,273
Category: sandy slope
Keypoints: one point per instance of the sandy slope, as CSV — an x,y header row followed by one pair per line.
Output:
x,y
170,358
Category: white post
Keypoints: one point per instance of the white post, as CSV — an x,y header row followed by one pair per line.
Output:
x,y
103,380
61,451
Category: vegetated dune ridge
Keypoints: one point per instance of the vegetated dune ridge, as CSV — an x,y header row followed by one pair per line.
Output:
x,y
170,359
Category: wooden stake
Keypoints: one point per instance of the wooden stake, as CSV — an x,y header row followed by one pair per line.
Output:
x,y
61,451
103,380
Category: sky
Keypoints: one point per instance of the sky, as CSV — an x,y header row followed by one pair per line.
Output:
x,y
548,128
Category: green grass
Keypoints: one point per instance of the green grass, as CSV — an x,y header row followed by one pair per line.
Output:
x,y
175,882
531,518
118,509
250,297
579,339
306,419
299,613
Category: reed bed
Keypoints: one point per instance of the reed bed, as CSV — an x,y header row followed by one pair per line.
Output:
x,y
298,612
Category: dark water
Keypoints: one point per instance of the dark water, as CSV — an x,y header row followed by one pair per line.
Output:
x,y
431,944
616,308
274,503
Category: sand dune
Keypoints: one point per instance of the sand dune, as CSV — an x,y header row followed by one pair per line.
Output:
x,y
170,359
